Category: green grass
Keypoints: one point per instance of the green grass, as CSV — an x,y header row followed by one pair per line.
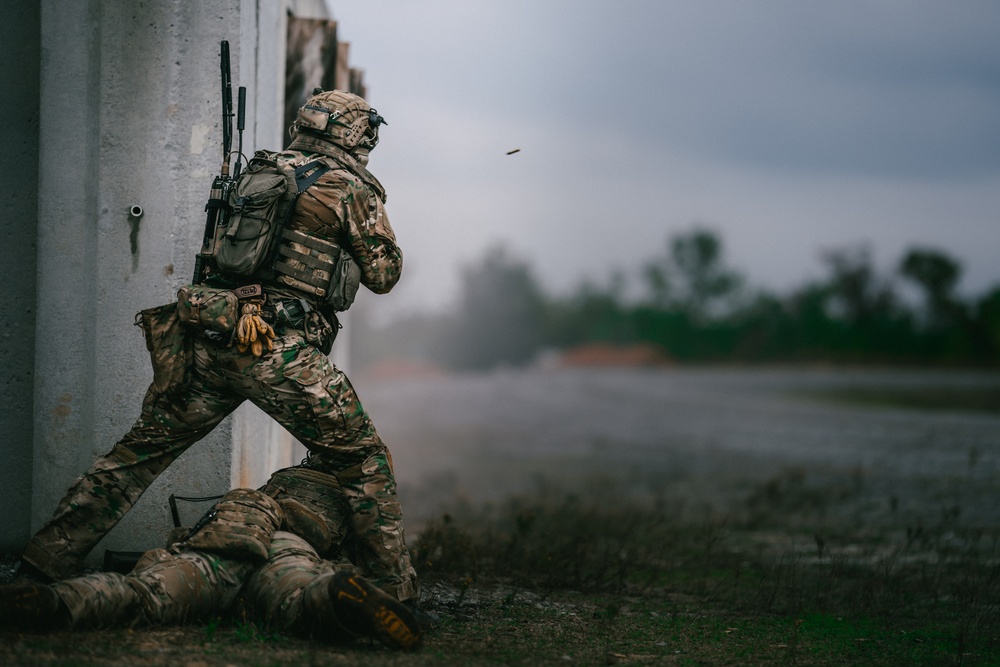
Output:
x,y
656,586
599,581
493,627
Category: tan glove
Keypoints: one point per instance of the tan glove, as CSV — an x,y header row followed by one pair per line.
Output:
x,y
252,332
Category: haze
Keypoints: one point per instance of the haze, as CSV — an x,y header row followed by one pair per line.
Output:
x,y
788,127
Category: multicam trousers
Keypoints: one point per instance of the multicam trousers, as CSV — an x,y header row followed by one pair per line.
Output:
x,y
290,591
164,588
301,389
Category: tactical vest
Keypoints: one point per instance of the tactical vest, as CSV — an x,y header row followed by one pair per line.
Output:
x,y
256,245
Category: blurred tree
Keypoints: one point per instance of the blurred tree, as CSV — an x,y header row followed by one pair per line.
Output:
x,y
856,294
697,310
765,329
655,275
987,326
692,276
936,274
593,312
501,314
704,280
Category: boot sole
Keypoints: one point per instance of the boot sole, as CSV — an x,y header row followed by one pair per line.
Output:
x,y
391,622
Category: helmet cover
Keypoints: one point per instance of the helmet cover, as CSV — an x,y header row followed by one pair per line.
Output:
x,y
342,118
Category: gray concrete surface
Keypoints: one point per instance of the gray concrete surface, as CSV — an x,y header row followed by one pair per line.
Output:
x,y
20,34
139,85
129,100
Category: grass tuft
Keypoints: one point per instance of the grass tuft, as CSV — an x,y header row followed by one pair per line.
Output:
x,y
772,572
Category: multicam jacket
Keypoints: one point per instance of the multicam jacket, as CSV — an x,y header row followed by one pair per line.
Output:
x,y
345,206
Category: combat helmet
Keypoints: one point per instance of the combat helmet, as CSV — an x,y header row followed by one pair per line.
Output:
x,y
341,118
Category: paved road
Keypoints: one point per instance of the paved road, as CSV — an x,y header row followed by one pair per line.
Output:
x,y
707,438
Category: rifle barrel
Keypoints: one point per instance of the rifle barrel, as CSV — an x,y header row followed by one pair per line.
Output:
x,y
241,121
241,109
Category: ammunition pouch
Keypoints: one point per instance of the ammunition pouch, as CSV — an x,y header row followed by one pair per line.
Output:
x,y
208,309
170,350
240,526
319,331
316,328
317,267
214,312
320,494
307,524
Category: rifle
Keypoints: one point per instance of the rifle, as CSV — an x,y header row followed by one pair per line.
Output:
x,y
218,208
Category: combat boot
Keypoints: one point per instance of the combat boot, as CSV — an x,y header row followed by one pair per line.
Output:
x,y
364,609
32,607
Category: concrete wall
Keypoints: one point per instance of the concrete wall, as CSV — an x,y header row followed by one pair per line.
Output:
x,y
20,34
130,115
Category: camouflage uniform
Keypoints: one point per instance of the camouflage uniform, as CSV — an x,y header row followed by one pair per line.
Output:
x,y
289,586
295,383
165,588
290,592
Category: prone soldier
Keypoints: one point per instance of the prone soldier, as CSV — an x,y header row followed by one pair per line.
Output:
x,y
280,548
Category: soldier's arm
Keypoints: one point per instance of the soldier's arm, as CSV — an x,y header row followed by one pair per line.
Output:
x,y
349,213
371,240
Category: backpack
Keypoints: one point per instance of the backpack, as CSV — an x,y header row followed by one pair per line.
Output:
x,y
260,203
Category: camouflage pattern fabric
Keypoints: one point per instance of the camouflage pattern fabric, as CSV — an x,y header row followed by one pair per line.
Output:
x,y
165,588
186,584
357,201
295,383
169,348
291,590
318,493
238,526
305,523
370,488
208,308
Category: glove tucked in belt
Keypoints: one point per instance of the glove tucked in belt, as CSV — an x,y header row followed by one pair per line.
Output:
x,y
252,332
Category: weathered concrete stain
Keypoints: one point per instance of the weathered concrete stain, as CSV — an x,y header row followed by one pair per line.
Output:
x,y
63,409
199,138
134,221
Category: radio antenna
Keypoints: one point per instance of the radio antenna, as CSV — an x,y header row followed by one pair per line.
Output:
x,y
241,121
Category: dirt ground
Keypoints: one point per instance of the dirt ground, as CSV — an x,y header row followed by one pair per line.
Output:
x,y
704,442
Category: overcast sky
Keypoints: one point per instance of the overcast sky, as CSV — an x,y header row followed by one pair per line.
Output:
x,y
790,127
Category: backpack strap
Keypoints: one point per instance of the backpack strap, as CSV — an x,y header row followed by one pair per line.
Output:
x,y
302,181
305,175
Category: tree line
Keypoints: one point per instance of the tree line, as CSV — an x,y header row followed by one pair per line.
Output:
x,y
695,308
